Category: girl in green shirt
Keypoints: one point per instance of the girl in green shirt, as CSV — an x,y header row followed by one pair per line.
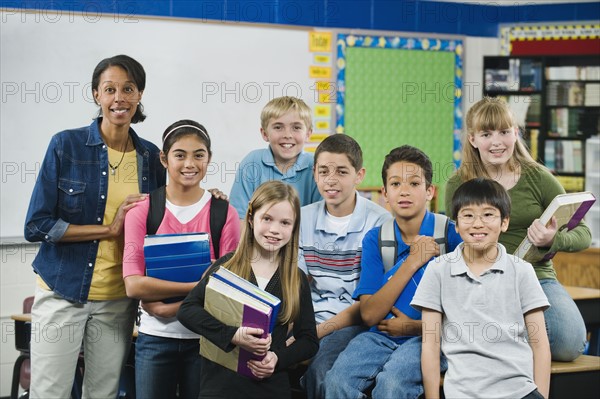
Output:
x,y
493,148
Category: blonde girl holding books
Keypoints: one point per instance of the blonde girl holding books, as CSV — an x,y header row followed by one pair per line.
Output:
x,y
268,257
493,149
166,358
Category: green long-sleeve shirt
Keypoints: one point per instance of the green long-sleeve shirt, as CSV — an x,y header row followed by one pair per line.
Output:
x,y
531,195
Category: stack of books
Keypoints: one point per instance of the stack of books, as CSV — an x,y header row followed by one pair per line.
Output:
x,y
237,302
182,258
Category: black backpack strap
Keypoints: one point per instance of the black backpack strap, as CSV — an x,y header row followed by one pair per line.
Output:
x,y
156,211
218,217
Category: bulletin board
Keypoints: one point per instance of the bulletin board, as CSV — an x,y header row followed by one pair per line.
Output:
x,y
394,91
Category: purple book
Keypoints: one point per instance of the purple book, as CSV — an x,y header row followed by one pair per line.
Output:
x,y
233,307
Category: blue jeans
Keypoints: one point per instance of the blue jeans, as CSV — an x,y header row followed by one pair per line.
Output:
x,y
372,358
164,364
329,349
564,324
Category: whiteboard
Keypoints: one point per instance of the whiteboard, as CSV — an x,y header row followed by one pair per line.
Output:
x,y
218,74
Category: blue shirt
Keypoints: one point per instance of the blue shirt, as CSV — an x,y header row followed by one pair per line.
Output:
x,y
259,167
373,276
331,258
71,189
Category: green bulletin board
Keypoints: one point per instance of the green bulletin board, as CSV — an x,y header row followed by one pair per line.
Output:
x,y
396,96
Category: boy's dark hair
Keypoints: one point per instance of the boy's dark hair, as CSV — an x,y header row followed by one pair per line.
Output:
x,y
134,70
342,144
407,153
481,191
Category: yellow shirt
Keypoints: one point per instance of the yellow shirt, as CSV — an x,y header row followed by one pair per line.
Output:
x,y
107,280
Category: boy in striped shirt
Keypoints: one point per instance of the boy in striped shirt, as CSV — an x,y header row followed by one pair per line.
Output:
x,y
331,233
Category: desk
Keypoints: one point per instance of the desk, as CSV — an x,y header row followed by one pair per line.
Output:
x,y
588,302
576,379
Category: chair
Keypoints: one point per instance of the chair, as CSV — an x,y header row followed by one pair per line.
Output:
x,y
22,368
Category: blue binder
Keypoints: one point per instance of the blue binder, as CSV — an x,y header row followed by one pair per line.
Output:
x,y
180,257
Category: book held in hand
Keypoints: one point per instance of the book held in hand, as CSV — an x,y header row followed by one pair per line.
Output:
x,y
180,257
239,303
569,209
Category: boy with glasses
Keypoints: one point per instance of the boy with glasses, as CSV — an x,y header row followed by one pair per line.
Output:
x,y
486,307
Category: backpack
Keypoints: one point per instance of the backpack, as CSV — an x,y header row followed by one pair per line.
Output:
x,y
389,247
218,216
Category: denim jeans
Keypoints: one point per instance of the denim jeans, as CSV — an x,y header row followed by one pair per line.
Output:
x,y
564,324
329,349
163,364
372,358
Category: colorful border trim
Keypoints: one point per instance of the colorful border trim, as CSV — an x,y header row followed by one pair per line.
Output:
x,y
402,43
508,34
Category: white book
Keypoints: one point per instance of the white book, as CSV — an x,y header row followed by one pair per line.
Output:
x,y
569,209
161,239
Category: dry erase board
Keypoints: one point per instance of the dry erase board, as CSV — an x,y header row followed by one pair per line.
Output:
x,y
220,74
396,91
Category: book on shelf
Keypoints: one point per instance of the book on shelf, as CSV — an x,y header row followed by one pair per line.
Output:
x,y
496,80
530,75
550,155
231,304
565,93
532,142
565,122
569,210
513,79
592,95
564,156
571,184
180,257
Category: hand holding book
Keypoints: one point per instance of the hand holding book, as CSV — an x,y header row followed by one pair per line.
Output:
x,y
542,236
253,340
263,368
565,212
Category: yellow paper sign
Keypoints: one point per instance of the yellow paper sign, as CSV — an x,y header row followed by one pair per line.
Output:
x,y
322,59
322,111
322,125
326,98
319,72
319,41
324,86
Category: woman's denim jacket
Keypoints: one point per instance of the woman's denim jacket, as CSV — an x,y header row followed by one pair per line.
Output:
x,y
72,188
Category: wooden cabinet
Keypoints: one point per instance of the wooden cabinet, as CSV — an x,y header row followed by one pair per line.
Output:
x,y
580,269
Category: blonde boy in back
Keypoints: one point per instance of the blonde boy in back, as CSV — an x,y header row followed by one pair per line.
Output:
x,y
286,124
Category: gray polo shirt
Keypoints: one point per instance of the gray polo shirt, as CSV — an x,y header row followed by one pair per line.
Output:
x,y
483,328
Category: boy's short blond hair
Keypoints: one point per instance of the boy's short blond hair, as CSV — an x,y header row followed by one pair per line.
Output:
x,y
282,105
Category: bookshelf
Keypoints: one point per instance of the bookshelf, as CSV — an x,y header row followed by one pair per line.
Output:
x,y
557,100
592,184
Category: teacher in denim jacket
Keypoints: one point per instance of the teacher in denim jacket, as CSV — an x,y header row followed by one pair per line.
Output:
x,y
90,177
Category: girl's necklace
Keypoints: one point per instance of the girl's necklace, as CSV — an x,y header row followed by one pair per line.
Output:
x,y
114,168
